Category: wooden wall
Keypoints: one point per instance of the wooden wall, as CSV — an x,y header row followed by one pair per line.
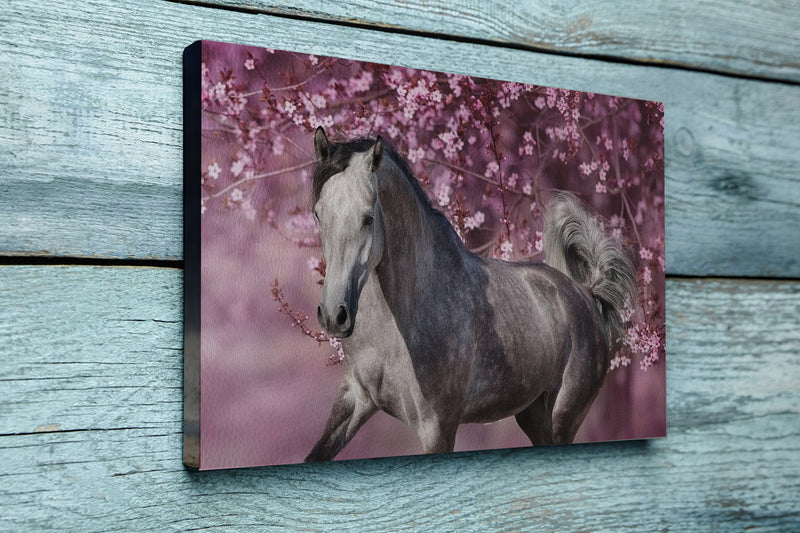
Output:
x,y
91,258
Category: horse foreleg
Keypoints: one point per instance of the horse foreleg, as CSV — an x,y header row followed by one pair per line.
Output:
x,y
351,408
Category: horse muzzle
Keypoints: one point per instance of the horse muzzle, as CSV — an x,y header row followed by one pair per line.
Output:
x,y
339,323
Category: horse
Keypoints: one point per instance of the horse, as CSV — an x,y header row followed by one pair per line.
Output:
x,y
438,336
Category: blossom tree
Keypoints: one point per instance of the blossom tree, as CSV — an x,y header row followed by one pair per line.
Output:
x,y
489,154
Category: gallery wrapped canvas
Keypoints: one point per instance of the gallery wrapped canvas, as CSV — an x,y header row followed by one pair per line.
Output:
x,y
382,260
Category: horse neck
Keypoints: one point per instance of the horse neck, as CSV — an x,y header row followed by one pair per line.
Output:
x,y
419,248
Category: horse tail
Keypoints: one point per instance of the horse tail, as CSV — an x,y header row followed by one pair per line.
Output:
x,y
577,244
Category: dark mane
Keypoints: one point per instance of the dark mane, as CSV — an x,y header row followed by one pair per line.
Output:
x,y
340,158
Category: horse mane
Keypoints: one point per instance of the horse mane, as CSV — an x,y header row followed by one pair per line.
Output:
x,y
340,158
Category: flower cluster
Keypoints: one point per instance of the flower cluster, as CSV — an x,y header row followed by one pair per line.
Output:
x,y
489,153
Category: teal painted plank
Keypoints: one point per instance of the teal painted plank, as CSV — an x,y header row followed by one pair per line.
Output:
x,y
91,143
748,38
90,432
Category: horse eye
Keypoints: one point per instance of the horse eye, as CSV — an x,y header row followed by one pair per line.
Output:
x,y
368,220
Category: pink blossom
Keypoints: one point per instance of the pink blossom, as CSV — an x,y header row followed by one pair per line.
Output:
x,y
237,166
337,357
474,221
214,170
362,83
313,263
288,107
492,169
443,191
250,64
646,275
506,248
619,361
248,209
416,155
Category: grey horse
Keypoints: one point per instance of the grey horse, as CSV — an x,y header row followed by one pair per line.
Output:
x,y
438,336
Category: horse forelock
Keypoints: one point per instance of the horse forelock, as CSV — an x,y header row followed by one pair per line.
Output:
x,y
336,163
339,160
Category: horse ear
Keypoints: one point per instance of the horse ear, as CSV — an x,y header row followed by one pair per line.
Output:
x,y
322,146
377,153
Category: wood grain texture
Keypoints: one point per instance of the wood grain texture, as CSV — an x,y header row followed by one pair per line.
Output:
x,y
90,430
90,149
748,38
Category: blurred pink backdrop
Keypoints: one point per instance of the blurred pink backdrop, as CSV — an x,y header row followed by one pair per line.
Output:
x,y
266,389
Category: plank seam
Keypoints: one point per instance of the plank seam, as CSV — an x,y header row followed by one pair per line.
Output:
x,y
486,42
178,264
77,430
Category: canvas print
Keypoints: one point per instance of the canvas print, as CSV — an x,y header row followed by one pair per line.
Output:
x,y
383,260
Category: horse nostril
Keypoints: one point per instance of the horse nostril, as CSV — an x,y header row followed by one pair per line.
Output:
x,y
341,316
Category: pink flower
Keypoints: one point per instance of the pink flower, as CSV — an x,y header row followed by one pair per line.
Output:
x,y
249,210
416,155
313,263
289,107
474,221
250,64
443,191
214,170
237,167
618,361
491,169
506,248
647,277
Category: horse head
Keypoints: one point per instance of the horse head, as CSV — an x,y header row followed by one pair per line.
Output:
x,y
348,211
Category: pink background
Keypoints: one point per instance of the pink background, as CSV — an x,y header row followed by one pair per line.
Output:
x,y
266,389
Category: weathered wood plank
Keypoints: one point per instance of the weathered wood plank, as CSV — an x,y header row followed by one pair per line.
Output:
x,y
91,151
90,430
746,38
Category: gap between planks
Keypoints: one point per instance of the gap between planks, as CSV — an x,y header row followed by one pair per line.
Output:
x,y
64,261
